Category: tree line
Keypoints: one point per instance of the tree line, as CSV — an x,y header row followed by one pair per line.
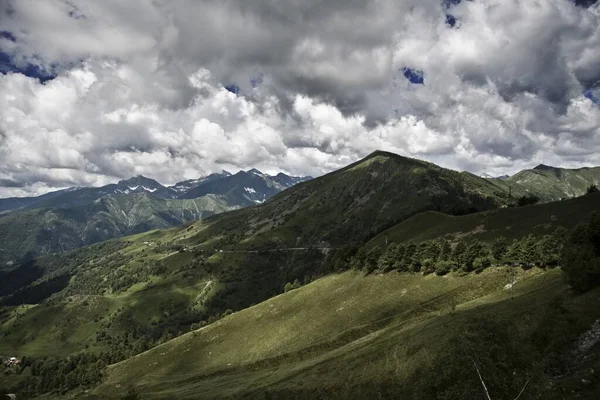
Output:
x,y
441,255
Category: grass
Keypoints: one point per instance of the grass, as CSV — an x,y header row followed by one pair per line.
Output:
x,y
512,223
336,335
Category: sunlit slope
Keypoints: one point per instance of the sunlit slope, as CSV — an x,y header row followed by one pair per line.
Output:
x,y
50,230
353,204
488,225
551,183
335,337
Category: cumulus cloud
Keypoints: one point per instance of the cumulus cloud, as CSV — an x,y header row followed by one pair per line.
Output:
x,y
140,87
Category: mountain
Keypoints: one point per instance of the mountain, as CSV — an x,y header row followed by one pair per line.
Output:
x,y
190,189
551,183
48,230
246,187
75,217
185,186
207,298
357,201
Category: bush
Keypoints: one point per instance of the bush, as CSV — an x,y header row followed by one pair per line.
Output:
x,y
481,263
443,267
291,286
428,266
581,255
592,189
527,200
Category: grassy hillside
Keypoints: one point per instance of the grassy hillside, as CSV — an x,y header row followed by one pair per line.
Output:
x,y
347,336
512,223
116,299
49,230
354,203
551,183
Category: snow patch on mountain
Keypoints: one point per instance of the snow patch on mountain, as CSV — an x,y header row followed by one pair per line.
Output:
x,y
250,190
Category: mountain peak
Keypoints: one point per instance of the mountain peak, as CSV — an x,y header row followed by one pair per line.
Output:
x,y
255,172
137,179
544,167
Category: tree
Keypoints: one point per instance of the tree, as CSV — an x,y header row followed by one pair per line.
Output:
x,y
388,258
592,189
428,266
442,267
527,200
407,259
481,263
499,248
475,249
581,255
513,253
371,259
459,250
445,250
529,250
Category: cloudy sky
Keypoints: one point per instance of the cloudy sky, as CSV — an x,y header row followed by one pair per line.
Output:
x,y
95,91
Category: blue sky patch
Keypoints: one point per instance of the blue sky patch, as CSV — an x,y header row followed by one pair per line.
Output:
x,y
8,35
414,76
450,3
256,82
585,3
31,70
450,20
233,88
593,94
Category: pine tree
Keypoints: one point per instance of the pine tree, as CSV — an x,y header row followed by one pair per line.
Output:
x,y
499,248
459,250
445,250
529,249
407,259
581,255
514,254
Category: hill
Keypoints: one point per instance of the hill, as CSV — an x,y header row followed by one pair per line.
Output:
x,y
512,223
551,183
49,230
77,217
353,203
349,336
116,299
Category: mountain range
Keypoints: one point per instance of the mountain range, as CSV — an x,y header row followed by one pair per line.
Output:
x,y
277,300
74,217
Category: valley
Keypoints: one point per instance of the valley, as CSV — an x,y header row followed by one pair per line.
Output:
x,y
309,296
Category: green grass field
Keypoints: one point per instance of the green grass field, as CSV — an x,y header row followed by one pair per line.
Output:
x,y
342,336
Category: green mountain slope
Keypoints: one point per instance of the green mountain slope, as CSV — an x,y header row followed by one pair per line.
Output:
x,y
512,223
355,202
118,298
49,230
349,336
551,183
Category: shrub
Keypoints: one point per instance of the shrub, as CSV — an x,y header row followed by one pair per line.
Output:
x,y
527,200
581,255
428,266
443,267
481,263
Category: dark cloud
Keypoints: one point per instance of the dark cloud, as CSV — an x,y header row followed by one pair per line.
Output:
x,y
8,183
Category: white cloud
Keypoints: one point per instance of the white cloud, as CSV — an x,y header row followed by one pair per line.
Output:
x,y
140,87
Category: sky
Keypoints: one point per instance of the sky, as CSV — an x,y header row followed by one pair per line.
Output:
x,y
92,92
